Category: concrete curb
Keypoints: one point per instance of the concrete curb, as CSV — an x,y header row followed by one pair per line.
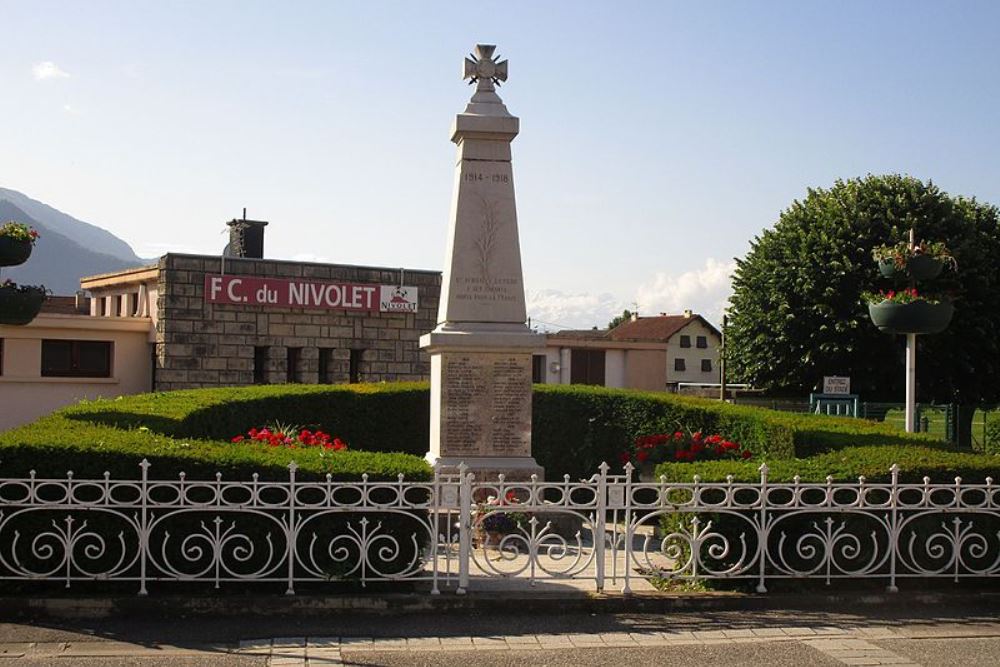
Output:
x,y
19,608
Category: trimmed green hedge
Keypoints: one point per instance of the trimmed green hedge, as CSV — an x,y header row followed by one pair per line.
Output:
x,y
846,464
189,431
575,429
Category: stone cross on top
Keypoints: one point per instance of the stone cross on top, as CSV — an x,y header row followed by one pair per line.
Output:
x,y
485,70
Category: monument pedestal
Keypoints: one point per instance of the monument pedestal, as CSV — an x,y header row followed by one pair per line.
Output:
x,y
481,402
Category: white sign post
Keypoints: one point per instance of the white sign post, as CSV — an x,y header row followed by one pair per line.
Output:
x,y
833,384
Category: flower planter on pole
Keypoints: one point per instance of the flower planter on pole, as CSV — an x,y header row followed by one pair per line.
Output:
x,y
20,306
907,312
14,251
917,317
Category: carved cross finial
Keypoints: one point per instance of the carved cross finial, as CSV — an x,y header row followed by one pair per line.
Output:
x,y
482,68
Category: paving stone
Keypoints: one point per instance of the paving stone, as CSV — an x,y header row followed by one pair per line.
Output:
x,y
617,639
389,643
521,639
798,631
709,634
288,642
648,638
455,641
356,642
768,632
323,642
733,634
586,640
255,646
489,642
423,643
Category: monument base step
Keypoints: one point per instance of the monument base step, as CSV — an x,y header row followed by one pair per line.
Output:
x,y
489,468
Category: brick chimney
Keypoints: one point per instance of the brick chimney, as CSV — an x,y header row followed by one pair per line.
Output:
x,y
246,238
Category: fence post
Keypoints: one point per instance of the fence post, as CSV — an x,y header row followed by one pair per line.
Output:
x,y
292,533
143,524
764,528
600,526
894,524
464,528
629,528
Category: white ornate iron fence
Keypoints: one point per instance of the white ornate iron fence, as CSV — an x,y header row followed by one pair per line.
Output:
x,y
455,532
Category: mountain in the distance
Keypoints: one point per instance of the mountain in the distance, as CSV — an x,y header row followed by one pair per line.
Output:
x,y
67,248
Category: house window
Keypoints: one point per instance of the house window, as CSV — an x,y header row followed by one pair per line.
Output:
x,y
702,342
325,357
679,365
685,341
354,372
292,365
586,367
76,358
260,365
538,368
706,365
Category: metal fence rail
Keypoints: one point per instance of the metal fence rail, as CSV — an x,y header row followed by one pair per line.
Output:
x,y
459,533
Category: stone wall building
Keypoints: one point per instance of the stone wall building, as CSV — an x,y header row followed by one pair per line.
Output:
x,y
200,343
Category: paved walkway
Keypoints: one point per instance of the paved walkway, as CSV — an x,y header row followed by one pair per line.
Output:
x,y
781,638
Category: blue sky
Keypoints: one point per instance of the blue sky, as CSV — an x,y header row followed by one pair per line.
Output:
x,y
657,138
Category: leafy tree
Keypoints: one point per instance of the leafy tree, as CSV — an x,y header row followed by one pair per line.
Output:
x,y
796,312
620,319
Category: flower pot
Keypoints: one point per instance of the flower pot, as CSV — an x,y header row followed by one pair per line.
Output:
x,y
918,317
14,251
647,472
17,307
887,267
923,267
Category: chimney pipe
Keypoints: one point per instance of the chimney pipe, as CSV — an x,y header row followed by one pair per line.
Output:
x,y
246,238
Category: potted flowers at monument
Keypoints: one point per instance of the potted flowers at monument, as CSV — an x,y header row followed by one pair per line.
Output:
x,y
496,518
19,304
923,261
909,312
16,242
648,451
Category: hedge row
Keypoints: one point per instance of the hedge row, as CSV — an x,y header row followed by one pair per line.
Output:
x,y
190,431
575,429
847,464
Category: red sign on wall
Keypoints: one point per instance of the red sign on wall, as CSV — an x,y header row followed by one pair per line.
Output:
x,y
281,293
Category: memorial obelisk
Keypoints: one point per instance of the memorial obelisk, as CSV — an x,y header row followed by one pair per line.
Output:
x,y
481,348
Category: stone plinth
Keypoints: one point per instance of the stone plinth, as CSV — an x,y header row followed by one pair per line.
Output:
x,y
481,348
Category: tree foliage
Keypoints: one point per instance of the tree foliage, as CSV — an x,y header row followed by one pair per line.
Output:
x,y
796,313
620,319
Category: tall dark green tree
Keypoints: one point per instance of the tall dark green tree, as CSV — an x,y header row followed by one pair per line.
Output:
x,y
796,312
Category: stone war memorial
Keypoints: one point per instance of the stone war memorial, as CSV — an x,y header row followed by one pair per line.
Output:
x,y
481,347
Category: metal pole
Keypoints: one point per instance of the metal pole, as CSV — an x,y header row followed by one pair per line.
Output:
x,y
722,362
911,382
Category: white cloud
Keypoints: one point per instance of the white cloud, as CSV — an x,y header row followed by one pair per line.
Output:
x,y
70,109
553,309
48,70
705,291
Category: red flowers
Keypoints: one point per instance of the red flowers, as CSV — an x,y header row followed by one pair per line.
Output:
x,y
681,447
279,436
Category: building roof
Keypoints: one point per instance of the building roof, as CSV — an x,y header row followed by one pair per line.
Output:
x,y
580,334
62,305
661,328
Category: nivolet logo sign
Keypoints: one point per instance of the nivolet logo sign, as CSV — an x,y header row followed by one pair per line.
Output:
x,y
280,293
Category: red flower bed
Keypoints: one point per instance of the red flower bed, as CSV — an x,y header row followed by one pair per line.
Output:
x,y
681,446
292,438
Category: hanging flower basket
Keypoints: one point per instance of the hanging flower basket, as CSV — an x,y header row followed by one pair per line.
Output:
x,y
887,267
20,304
916,317
14,251
923,267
